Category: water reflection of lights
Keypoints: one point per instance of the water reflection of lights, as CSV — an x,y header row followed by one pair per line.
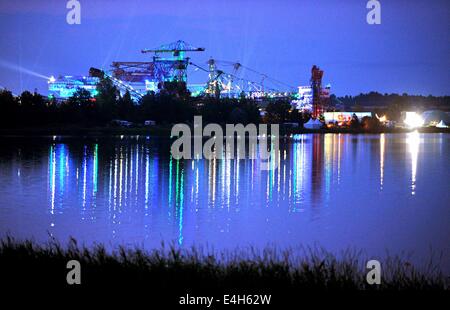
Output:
x,y
95,173
339,158
84,177
116,163
413,141
170,179
136,185
64,174
329,149
236,178
228,178
130,174
147,173
179,199
212,181
52,176
382,146
298,170
120,175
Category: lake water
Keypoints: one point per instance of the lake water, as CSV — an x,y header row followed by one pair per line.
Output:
x,y
379,193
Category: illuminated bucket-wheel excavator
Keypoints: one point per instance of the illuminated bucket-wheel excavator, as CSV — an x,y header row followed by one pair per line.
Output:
x,y
169,64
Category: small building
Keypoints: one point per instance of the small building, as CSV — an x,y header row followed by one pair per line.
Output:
x,y
313,124
441,124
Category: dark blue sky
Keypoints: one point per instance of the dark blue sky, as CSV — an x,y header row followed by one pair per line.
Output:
x,y
409,51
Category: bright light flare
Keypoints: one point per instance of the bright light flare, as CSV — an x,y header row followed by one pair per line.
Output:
x,y
51,79
382,119
413,120
21,69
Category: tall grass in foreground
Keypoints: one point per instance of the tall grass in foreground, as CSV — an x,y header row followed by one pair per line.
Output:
x,y
173,268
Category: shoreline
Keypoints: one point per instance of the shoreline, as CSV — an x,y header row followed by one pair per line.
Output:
x,y
164,131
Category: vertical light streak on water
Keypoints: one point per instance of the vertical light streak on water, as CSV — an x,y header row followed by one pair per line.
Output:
x,y
66,167
127,159
328,146
300,172
132,164
267,174
236,181
147,178
170,181
284,172
120,176
197,179
177,185
155,176
292,168
382,145
116,162
413,141
334,159
52,174
95,170
180,190
213,180
192,183
339,160
272,171
60,154
223,176
177,189
110,185
84,177
136,186
279,174
228,181
293,172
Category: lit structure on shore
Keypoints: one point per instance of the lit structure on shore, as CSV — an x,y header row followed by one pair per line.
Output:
x,y
64,87
169,63
342,118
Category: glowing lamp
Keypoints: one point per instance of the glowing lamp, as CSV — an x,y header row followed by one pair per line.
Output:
x,y
413,120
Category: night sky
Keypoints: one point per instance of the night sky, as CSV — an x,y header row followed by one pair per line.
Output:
x,y
409,52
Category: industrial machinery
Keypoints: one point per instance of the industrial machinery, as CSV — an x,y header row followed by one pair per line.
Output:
x,y
172,68
121,85
222,78
316,85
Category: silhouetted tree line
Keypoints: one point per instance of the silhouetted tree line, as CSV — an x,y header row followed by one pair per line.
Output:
x,y
174,104
372,99
390,104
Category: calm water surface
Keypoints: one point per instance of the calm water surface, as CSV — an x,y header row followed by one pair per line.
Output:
x,y
378,193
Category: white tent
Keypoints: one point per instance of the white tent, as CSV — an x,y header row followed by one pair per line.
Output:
x,y
313,124
441,125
